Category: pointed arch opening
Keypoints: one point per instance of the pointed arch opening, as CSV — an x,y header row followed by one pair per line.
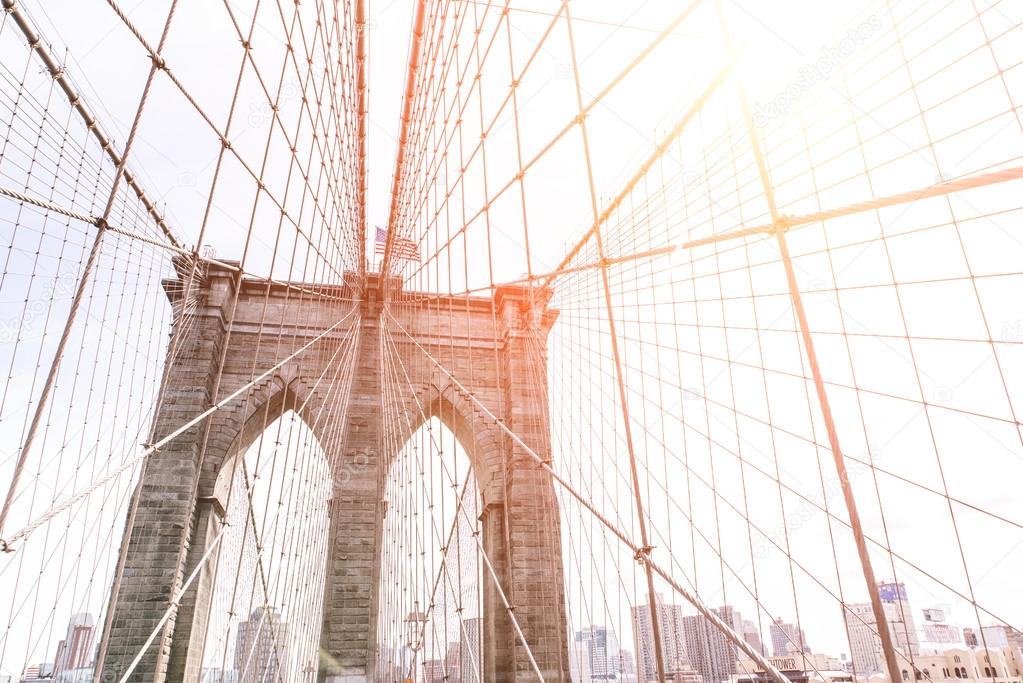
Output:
x,y
266,599
432,572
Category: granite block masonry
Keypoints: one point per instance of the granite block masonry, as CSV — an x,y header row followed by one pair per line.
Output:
x,y
234,329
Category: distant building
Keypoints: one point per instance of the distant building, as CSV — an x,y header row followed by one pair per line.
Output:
x,y
471,663
75,650
38,672
900,616
798,668
1014,636
751,634
218,675
864,641
997,635
709,651
393,663
626,666
595,654
683,672
993,636
82,674
433,671
669,619
261,648
961,665
787,639
453,662
938,633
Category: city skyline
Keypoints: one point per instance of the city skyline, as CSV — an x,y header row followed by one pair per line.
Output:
x,y
715,660
697,654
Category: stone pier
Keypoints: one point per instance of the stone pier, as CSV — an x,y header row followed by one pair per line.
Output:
x,y
493,346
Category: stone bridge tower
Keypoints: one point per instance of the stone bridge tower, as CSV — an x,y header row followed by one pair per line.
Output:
x,y
492,346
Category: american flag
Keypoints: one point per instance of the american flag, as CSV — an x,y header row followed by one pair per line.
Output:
x,y
402,248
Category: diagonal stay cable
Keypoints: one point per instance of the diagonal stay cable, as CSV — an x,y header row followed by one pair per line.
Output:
x,y
6,543
486,559
74,98
690,597
174,603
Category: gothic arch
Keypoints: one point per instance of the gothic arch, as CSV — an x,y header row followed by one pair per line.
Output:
x,y
177,499
478,436
267,402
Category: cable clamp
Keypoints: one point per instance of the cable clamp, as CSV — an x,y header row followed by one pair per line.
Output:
x,y
158,62
643,554
5,546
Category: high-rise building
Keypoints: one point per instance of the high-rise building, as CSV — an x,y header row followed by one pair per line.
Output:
x,y
626,666
596,654
751,634
900,616
433,671
969,637
453,662
709,651
470,651
75,650
261,648
864,641
669,619
787,639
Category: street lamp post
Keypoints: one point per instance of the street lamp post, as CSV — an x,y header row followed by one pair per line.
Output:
x,y
415,630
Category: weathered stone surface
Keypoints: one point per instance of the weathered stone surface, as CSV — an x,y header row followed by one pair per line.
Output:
x,y
495,350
